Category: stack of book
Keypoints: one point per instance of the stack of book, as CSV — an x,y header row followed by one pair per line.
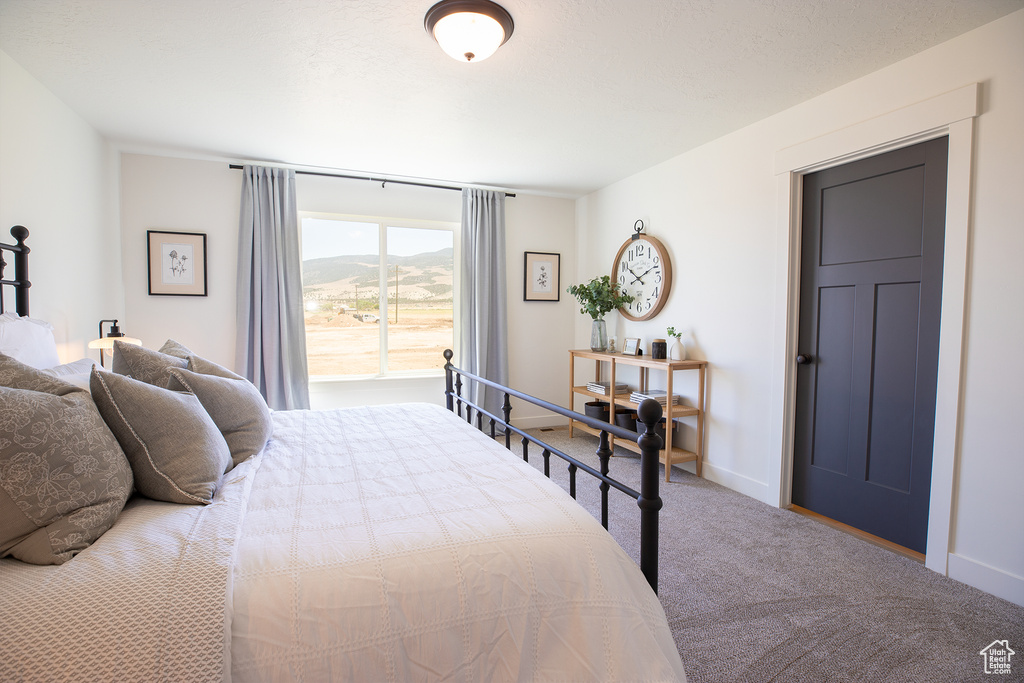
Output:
x,y
659,395
602,387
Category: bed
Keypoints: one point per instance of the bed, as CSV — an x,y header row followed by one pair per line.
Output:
x,y
390,543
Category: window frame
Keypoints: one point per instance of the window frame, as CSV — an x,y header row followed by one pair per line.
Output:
x,y
383,223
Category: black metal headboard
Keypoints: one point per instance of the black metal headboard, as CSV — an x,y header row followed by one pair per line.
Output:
x,y
20,281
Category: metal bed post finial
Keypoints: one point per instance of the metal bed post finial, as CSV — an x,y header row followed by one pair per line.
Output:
x,y
20,282
449,400
650,501
20,234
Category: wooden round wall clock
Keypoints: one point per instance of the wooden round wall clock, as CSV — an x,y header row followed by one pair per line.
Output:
x,y
643,269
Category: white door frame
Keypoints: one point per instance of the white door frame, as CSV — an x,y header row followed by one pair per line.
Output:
x,y
951,114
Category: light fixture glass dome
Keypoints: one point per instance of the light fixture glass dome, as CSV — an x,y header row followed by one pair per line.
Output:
x,y
469,30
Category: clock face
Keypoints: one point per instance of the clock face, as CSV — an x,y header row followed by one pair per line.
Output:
x,y
643,270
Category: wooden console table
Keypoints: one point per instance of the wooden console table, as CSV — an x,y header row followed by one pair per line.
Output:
x,y
670,455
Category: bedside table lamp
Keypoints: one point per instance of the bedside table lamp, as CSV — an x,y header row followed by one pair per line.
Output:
x,y
105,343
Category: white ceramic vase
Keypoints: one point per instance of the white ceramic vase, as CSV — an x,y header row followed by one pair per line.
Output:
x,y
676,350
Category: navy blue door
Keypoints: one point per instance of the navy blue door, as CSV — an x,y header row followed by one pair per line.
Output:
x,y
870,293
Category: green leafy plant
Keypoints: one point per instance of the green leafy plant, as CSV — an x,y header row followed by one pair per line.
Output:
x,y
599,296
672,333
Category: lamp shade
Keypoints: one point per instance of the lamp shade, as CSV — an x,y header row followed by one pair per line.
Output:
x,y
108,342
105,342
469,30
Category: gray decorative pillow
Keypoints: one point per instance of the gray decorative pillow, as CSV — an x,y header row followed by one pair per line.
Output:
x,y
208,367
196,363
173,348
236,406
143,364
63,477
175,449
17,375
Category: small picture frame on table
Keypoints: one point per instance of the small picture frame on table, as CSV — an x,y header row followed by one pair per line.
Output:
x,y
541,275
177,263
631,346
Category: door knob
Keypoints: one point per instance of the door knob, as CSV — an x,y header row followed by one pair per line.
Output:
x,y
803,359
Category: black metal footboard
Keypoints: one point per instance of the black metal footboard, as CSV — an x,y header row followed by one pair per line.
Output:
x,y
647,499
20,282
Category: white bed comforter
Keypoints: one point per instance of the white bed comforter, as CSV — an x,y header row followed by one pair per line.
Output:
x,y
370,544
395,544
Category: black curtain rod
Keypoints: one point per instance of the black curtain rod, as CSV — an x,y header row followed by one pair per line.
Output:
x,y
382,181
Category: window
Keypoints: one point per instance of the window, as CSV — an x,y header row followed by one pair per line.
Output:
x,y
368,316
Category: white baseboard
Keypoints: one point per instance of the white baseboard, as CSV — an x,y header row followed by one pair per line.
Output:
x,y
989,579
731,480
538,421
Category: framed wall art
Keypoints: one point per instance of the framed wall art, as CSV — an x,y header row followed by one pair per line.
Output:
x,y
177,263
541,276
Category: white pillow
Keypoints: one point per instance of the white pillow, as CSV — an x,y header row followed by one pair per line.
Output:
x,y
28,340
76,372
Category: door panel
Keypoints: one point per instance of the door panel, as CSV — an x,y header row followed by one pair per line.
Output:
x,y
835,378
894,384
871,278
887,227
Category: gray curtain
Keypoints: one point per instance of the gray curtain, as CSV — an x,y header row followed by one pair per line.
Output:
x,y
271,347
484,328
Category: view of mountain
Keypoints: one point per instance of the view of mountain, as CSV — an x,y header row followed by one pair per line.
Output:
x,y
320,271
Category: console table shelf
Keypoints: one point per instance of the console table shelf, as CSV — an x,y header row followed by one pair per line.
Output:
x,y
670,455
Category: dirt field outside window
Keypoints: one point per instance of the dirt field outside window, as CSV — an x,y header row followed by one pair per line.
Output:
x,y
339,344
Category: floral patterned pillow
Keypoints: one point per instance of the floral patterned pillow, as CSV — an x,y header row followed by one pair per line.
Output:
x,y
197,363
176,349
63,476
208,367
144,364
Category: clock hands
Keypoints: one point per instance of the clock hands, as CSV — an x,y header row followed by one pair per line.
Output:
x,y
637,278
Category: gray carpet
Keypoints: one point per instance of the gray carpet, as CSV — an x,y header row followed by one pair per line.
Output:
x,y
754,593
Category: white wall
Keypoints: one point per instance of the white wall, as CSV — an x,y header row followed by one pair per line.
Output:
x,y
716,209
193,195
540,332
58,179
186,195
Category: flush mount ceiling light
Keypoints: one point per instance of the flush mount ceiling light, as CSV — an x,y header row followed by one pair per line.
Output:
x,y
469,30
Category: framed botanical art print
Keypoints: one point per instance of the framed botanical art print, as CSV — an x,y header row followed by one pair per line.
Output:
x,y
177,263
541,274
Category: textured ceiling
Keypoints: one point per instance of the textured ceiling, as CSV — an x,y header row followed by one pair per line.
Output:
x,y
585,92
